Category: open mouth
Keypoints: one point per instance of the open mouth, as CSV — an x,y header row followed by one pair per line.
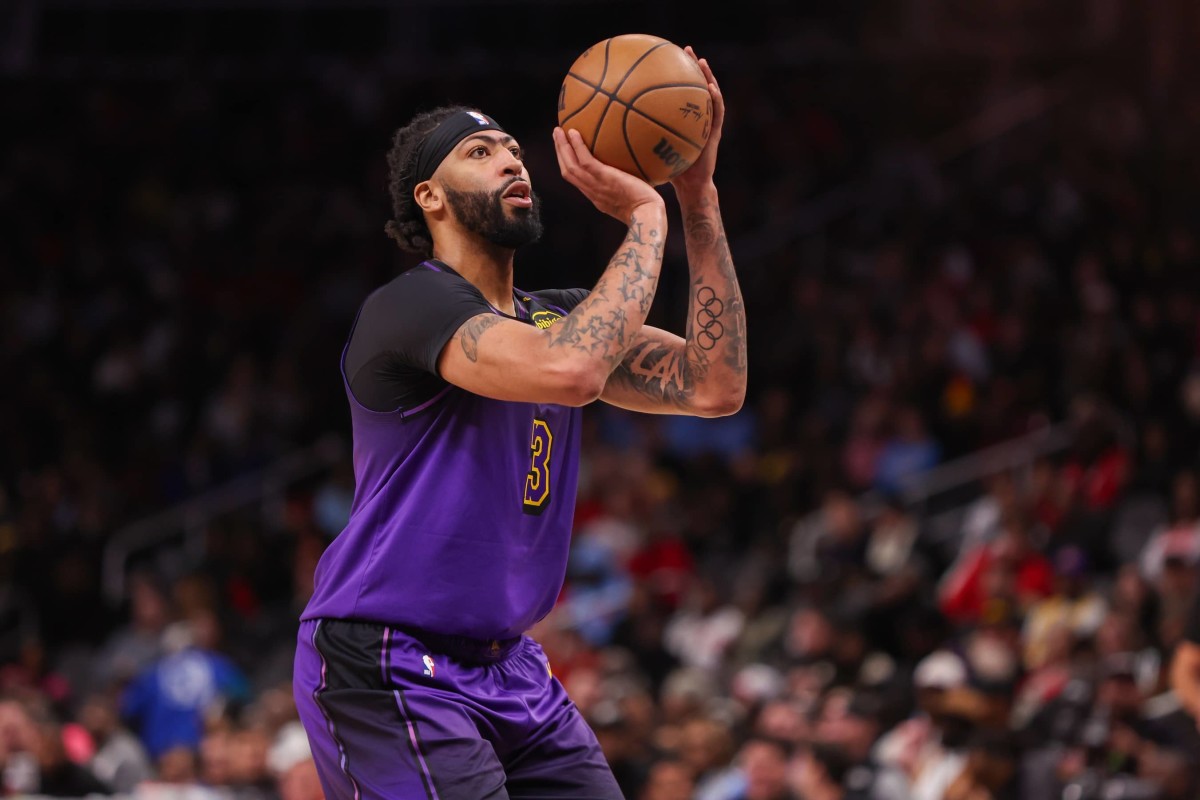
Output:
x,y
519,195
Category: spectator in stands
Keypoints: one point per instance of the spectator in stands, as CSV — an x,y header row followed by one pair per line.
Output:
x,y
1074,607
167,703
135,645
763,763
120,759
35,758
907,453
668,778
1180,537
1009,569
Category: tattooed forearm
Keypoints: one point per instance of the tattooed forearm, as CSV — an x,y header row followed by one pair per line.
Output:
x,y
472,330
667,375
603,325
717,320
708,329
735,353
699,229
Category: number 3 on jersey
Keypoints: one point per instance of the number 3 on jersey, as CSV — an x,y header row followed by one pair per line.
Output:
x,y
537,482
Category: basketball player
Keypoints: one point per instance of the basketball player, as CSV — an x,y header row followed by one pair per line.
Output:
x,y
413,677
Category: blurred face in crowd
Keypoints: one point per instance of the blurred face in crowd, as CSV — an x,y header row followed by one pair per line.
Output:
x,y
18,733
1177,580
177,766
810,634
248,756
1116,634
585,688
1185,497
1131,590
99,716
1121,695
842,517
668,780
781,719
705,745
216,757
808,776
148,606
614,741
853,732
765,767
300,782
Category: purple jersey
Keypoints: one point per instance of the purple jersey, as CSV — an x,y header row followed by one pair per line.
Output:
x,y
463,504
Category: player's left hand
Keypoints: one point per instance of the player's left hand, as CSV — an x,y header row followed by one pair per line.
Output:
x,y
700,173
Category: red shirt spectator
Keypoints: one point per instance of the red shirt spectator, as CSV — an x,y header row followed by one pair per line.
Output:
x,y
1007,568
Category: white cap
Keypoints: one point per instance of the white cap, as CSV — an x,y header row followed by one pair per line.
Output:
x,y
940,669
289,748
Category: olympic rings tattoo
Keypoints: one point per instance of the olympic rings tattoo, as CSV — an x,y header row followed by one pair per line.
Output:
x,y
710,328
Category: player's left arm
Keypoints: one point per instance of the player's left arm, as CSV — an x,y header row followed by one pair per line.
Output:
x,y
704,373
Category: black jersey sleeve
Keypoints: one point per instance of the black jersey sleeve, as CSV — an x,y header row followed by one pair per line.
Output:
x,y
561,299
391,360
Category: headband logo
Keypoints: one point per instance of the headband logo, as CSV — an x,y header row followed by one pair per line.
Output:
x,y
480,118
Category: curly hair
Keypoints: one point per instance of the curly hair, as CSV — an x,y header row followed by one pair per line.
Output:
x,y
409,228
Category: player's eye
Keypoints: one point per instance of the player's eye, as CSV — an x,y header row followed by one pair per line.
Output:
x,y
517,154
478,152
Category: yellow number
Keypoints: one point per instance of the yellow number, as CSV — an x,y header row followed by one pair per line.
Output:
x,y
537,481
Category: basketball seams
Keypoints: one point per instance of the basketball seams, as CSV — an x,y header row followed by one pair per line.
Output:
x,y
678,98
629,105
629,147
595,88
659,123
582,106
624,78
603,75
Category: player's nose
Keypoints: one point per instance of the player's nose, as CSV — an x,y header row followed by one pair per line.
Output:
x,y
510,164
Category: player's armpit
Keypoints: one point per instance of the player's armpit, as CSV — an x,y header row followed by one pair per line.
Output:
x,y
509,360
664,374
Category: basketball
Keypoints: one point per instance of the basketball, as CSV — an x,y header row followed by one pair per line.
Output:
x,y
640,103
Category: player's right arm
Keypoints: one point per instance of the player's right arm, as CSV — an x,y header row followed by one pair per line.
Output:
x,y
569,362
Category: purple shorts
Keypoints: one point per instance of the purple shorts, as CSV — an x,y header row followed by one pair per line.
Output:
x,y
401,715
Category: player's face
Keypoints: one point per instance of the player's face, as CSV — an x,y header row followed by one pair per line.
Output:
x,y
489,192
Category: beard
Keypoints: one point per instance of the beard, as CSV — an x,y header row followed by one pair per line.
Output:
x,y
485,215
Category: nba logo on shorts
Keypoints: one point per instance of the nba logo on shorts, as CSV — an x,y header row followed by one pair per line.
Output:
x,y
480,118
428,662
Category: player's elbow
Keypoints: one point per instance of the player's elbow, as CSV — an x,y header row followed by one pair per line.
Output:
x,y
722,405
579,384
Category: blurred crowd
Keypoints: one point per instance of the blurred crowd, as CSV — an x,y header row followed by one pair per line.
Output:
x,y
756,608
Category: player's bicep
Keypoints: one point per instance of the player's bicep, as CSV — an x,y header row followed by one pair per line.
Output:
x,y
496,357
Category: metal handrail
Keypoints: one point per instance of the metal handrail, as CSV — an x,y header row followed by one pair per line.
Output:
x,y
192,516
983,463
918,488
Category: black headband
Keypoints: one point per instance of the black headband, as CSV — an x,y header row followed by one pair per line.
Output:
x,y
452,130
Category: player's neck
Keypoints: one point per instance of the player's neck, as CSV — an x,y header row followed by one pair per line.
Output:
x,y
488,267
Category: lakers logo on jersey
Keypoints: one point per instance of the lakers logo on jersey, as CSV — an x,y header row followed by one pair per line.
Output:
x,y
544,319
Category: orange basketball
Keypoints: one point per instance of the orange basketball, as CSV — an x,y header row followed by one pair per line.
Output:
x,y
641,104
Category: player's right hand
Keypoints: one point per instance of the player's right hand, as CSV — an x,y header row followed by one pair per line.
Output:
x,y
613,191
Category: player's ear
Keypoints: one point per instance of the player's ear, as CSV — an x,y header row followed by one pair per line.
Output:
x,y
427,196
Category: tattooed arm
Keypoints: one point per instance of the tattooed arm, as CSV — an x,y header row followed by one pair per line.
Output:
x,y
703,374
569,362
